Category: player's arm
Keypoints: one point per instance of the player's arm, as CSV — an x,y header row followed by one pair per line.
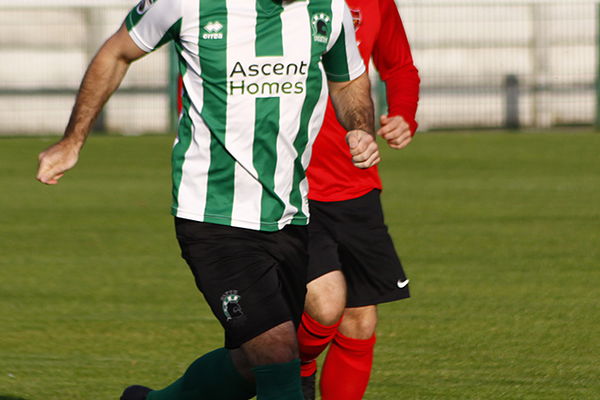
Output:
x,y
393,59
354,110
350,92
102,78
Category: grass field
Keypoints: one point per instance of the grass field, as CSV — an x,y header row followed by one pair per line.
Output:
x,y
499,233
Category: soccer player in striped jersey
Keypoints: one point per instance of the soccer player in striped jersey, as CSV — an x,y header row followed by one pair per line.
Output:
x,y
352,262
256,78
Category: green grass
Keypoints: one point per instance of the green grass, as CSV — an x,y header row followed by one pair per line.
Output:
x,y
499,233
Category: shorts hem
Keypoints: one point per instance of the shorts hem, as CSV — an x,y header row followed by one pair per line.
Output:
x,y
322,272
231,345
380,300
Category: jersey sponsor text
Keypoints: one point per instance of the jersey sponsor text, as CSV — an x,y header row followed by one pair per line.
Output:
x,y
250,79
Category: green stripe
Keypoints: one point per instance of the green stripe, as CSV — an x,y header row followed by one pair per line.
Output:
x,y
172,34
213,64
184,134
269,41
184,129
335,60
265,160
133,18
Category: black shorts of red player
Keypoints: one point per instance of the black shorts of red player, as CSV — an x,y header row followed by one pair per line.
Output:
x,y
351,236
252,280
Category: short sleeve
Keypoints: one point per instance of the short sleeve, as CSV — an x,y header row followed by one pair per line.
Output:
x,y
342,62
152,23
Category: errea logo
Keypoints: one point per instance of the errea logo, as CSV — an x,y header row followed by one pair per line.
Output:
x,y
212,30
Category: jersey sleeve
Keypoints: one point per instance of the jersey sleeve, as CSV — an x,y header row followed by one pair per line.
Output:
x,y
153,23
342,61
393,59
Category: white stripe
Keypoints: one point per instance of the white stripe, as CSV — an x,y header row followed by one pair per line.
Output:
x,y
355,63
316,119
337,16
192,190
241,114
155,22
314,126
194,180
293,23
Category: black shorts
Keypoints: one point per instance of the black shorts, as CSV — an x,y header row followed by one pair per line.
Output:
x,y
252,280
351,236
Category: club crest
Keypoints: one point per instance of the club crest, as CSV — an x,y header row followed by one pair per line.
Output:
x,y
144,6
320,27
356,18
230,302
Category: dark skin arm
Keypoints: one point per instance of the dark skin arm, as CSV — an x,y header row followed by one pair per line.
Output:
x,y
102,78
354,110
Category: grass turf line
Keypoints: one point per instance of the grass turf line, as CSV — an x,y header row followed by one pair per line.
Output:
x,y
499,234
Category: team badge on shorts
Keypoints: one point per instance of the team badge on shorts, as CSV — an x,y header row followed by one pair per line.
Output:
x,y
320,27
230,302
356,18
144,5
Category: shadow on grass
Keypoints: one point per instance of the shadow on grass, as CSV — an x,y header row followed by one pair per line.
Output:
x,y
8,397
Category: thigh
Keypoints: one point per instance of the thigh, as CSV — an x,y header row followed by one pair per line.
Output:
x,y
239,277
289,248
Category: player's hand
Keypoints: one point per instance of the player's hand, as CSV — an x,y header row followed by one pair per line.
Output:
x,y
363,148
396,131
56,160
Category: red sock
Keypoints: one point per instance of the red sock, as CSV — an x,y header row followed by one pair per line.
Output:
x,y
313,338
347,368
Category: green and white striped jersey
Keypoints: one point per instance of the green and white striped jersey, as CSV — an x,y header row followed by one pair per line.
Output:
x,y
255,89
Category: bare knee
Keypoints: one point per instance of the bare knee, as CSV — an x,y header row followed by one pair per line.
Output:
x,y
359,322
326,298
275,346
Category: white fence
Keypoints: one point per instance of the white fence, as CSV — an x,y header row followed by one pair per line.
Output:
x,y
45,48
464,51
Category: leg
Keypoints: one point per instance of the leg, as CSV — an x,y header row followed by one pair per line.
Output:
x,y
364,250
255,285
326,298
326,294
323,308
350,355
213,376
275,365
276,346
268,362
359,322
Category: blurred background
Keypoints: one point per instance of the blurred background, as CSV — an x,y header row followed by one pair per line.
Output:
x,y
483,64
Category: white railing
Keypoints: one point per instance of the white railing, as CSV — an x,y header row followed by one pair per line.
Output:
x,y
45,47
465,50
50,4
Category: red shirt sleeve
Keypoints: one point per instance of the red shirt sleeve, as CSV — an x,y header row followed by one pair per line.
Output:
x,y
393,59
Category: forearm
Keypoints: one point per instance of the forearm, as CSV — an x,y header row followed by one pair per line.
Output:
x,y
102,78
353,104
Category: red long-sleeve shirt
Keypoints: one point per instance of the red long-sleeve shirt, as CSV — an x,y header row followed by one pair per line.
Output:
x,y
381,35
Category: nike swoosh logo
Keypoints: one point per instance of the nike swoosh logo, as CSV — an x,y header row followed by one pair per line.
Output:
x,y
402,284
